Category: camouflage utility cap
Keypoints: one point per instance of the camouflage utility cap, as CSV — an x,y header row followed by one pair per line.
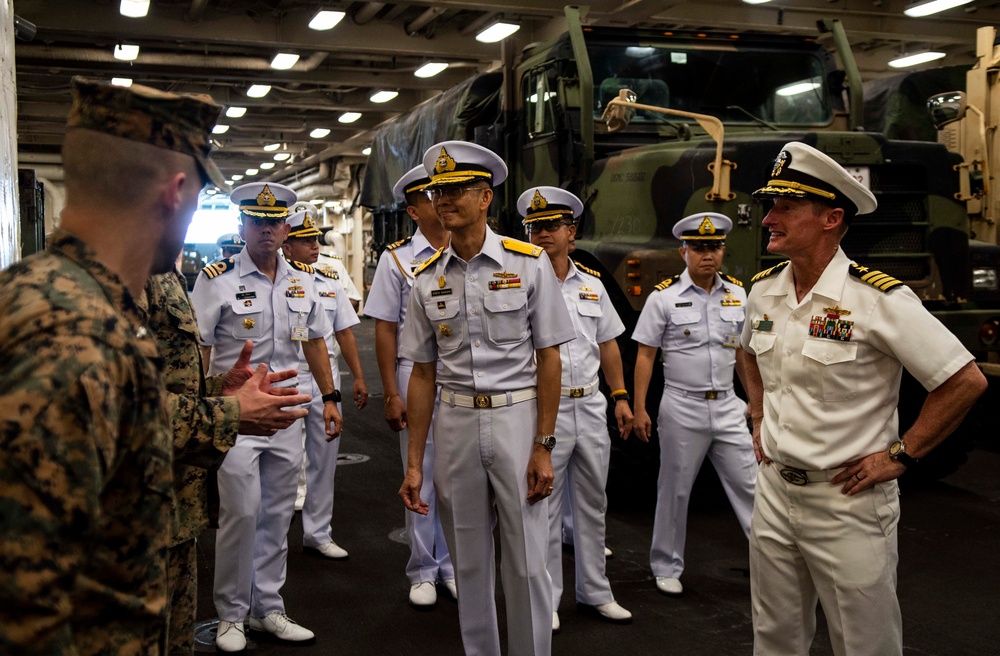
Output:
x,y
180,122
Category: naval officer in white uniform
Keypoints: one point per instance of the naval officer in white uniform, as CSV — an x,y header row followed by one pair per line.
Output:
x,y
388,298
257,295
695,319
490,308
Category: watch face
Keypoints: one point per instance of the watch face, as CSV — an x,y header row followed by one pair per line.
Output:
x,y
895,448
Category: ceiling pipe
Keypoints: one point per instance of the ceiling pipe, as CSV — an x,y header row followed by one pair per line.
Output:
x,y
366,12
29,51
196,10
478,24
423,20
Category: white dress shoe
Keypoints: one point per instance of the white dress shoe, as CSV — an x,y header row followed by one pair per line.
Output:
x,y
612,612
608,553
281,627
669,586
329,550
452,588
230,636
423,595
555,622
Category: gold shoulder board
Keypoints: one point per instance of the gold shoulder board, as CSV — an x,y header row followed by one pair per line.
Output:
x,y
735,281
767,273
218,268
522,247
301,267
327,272
881,281
431,260
586,269
666,283
401,242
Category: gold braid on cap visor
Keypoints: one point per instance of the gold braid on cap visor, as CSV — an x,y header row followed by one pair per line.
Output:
x,y
264,212
416,187
454,177
551,215
789,187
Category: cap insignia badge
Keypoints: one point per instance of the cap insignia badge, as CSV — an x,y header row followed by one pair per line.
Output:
x,y
308,222
538,201
779,163
444,163
265,197
706,227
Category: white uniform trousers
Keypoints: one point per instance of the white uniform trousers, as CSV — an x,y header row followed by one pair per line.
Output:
x,y
580,460
257,482
320,465
480,470
812,541
690,427
429,559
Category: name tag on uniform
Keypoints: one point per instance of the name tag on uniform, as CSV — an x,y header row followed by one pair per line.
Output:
x,y
732,341
687,304
300,330
763,325
245,295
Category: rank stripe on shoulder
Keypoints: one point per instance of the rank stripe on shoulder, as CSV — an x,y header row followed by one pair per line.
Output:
x,y
328,273
401,242
218,268
666,283
301,266
735,281
399,265
881,281
523,247
767,273
430,261
586,269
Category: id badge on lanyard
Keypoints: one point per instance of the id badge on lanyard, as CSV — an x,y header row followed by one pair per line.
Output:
x,y
300,330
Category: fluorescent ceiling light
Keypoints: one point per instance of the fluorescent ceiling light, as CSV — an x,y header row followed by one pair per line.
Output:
x,y
238,176
270,148
121,81
797,88
913,60
259,90
755,2
326,20
349,117
383,96
319,133
497,32
236,112
220,129
332,203
134,8
126,52
252,171
934,6
281,157
430,69
367,151
267,165
284,61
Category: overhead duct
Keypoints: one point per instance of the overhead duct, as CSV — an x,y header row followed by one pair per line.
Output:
x,y
423,20
368,11
164,59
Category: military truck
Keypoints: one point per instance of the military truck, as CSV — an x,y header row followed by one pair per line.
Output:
x,y
695,123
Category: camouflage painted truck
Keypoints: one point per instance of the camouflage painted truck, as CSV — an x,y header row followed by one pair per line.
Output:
x,y
694,124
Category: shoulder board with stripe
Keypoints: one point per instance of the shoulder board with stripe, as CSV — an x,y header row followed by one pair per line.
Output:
x,y
335,257
328,273
767,273
881,281
523,247
586,269
218,268
666,283
401,242
431,260
300,266
735,281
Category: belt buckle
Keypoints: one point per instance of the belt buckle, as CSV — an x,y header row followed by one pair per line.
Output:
x,y
711,395
575,392
483,401
794,476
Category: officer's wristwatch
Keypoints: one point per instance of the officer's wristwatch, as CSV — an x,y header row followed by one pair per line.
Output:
x,y
897,451
332,396
548,441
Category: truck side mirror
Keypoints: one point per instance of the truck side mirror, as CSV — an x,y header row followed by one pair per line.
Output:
x,y
947,107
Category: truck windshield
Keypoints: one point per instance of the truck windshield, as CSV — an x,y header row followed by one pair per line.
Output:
x,y
734,85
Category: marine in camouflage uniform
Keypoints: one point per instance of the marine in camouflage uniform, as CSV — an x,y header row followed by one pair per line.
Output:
x,y
204,428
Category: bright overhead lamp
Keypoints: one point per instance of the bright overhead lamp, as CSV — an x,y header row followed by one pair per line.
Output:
x,y
211,192
497,32
235,112
921,9
913,60
430,69
134,8
281,157
252,171
349,117
383,96
126,52
319,133
259,90
797,88
220,129
326,20
121,81
267,165
755,2
270,148
367,151
284,61
237,176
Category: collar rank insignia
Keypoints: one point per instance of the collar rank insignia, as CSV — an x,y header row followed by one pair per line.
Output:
x,y
831,326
